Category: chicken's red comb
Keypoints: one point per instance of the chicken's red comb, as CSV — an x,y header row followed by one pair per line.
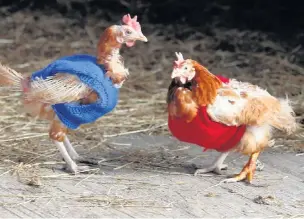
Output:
x,y
180,60
132,22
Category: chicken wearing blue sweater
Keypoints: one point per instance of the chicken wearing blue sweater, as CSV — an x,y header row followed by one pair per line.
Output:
x,y
77,89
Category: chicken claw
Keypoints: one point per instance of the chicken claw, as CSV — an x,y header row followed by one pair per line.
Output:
x,y
247,172
213,168
217,166
75,169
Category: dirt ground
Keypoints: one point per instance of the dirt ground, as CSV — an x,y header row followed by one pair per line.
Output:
x,y
30,40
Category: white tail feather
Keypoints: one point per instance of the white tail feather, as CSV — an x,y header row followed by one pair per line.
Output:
x,y
285,119
9,77
57,89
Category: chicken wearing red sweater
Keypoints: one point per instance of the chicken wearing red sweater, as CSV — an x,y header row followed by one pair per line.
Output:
x,y
225,115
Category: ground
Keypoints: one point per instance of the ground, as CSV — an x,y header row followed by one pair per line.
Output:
x,y
30,39
148,176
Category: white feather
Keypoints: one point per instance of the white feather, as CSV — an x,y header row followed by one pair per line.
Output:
x,y
57,89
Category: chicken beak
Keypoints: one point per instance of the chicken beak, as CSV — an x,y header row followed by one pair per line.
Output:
x,y
175,73
178,76
142,38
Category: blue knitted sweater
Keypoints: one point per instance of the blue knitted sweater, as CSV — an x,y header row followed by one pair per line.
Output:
x,y
72,115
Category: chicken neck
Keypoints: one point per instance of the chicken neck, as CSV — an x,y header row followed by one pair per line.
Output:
x,y
205,85
109,56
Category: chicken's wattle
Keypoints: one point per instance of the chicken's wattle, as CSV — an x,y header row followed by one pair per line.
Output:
x,y
130,43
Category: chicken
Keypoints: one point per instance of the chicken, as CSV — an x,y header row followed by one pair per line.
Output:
x,y
224,115
77,89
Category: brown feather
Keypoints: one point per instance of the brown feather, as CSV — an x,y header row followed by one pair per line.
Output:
x,y
183,105
205,86
91,98
107,44
184,102
57,131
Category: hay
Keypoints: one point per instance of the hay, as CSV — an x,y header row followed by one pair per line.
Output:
x,y
31,40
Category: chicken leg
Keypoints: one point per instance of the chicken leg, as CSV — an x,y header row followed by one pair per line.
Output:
x,y
248,170
75,156
71,166
216,166
58,135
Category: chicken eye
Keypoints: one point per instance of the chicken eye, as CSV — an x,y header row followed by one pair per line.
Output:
x,y
186,68
128,32
231,102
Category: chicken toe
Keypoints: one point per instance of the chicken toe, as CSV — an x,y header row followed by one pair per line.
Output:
x,y
71,168
78,169
217,166
247,172
213,168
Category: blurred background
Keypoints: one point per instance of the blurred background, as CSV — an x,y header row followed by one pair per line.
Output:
x,y
256,41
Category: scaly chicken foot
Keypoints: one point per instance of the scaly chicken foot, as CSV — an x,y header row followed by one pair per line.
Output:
x,y
71,166
247,171
58,135
75,156
217,166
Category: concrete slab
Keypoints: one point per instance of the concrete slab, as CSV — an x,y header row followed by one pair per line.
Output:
x,y
151,176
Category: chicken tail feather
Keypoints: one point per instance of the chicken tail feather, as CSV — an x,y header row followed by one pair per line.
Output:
x,y
9,77
284,119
